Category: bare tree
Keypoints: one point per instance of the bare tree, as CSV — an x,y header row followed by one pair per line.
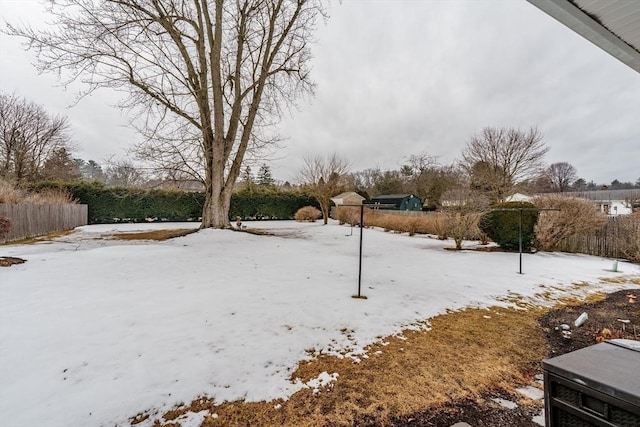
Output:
x,y
123,173
59,166
463,209
324,178
560,176
204,77
499,158
28,137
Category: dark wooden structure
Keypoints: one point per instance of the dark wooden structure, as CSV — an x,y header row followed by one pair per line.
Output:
x,y
397,202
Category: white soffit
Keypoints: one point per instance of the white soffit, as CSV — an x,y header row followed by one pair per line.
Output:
x,y
612,25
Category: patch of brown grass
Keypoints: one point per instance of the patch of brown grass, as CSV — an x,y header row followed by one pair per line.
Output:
x,y
159,235
464,355
255,231
622,279
39,239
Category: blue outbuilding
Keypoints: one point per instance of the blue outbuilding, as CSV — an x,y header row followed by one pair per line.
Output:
x,y
396,202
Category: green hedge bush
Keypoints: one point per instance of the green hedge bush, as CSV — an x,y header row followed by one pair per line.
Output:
x,y
261,202
502,226
116,204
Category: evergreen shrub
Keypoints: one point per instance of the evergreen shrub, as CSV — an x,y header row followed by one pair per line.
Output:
x,y
117,204
502,226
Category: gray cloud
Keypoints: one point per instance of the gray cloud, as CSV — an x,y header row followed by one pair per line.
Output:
x,y
397,78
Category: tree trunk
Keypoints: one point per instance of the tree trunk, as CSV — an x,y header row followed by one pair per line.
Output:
x,y
215,212
325,213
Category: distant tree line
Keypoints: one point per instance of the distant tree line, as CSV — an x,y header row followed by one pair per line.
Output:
x,y
496,162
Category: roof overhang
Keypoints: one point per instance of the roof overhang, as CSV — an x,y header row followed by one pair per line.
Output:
x,y
612,25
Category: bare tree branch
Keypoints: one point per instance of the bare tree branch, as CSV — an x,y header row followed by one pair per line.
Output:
x,y
205,77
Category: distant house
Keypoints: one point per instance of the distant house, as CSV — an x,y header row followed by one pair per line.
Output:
x,y
610,202
397,202
348,198
519,197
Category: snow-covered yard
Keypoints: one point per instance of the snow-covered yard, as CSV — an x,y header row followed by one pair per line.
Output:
x,y
95,330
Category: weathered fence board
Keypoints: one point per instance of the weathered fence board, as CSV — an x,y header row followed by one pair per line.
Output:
x,y
36,220
609,241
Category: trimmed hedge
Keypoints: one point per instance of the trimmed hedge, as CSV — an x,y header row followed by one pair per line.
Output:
x,y
116,204
503,226
261,202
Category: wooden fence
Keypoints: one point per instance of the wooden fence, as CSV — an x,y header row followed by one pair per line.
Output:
x,y
610,241
36,220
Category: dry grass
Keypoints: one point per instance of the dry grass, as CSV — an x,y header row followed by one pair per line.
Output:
x,y
308,213
255,231
464,355
622,279
39,239
50,197
435,223
159,235
11,194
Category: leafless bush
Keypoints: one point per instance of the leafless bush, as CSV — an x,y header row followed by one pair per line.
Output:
x,y
9,194
53,196
5,226
631,244
575,216
50,197
348,215
308,213
463,213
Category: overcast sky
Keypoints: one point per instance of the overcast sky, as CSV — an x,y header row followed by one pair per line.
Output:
x,y
396,78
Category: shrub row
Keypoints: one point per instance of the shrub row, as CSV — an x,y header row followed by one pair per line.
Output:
x,y
268,203
435,224
501,226
114,204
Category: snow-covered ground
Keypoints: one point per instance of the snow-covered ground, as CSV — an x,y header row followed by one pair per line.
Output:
x,y
94,330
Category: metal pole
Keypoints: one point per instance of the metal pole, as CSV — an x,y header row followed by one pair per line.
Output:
x,y
520,239
360,264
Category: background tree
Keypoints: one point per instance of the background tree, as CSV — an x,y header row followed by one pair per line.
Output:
x,y
388,182
92,171
123,173
323,178
560,176
579,184
264,175
247,178
205,77
499,158
28,137
59,166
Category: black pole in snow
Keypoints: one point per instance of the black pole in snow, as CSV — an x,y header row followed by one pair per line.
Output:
x,y
360,264
520,239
